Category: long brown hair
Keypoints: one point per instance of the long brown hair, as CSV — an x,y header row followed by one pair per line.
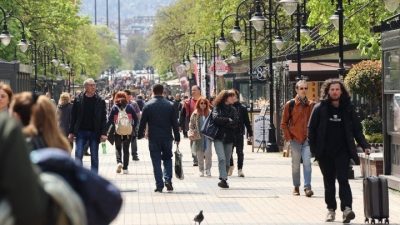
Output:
x,y
206,111
222,96
21,105
7,89
327,85
44,121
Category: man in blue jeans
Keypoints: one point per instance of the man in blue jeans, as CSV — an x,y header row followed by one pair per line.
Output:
x,y
160,118
88,123
296,114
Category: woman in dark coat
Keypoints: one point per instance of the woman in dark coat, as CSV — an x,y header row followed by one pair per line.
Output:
x,y
64,113
226,117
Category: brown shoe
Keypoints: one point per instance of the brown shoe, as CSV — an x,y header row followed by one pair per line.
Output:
x,y
308,192
296,191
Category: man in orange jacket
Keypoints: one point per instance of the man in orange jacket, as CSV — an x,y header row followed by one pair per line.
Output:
x,y
296,114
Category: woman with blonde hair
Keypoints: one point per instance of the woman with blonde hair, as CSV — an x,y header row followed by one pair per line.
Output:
x,y
64,109
43,128
201,145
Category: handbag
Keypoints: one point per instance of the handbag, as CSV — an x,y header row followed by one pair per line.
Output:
x,y
209,128
178,164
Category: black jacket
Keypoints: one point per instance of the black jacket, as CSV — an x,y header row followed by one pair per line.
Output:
x,y
244,120
226,117
64,115
160,116
317,129
100,117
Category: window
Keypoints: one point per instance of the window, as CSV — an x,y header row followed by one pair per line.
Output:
x,y
392,70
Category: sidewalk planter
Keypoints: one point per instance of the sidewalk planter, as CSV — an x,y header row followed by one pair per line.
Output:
x,y
376,164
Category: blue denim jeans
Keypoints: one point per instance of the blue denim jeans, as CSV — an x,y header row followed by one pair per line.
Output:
x,y
301,151
161,150
81,139
224,152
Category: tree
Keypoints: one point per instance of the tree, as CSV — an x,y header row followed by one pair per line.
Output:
x,y
58,22
136,52
360,15
365,80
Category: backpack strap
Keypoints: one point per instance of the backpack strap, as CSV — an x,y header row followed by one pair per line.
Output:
x,y
291,106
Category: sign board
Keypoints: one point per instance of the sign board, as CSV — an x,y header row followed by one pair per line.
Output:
x,y
260,127
222,67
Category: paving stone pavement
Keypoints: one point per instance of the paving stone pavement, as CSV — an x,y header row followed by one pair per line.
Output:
x,y
264,196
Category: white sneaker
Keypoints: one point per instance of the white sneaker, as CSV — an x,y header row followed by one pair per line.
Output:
x,y
125,171
330,217
230,171
240,173
119,167
201,173
208,173
348,215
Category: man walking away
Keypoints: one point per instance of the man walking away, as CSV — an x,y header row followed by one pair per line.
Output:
x,y
332,129
296,114
160,135
88,123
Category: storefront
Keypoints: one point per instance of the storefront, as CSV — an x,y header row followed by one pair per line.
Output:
x,y
391,102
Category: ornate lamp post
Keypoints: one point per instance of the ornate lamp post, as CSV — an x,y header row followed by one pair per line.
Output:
x,y
294,7
202,58
5,35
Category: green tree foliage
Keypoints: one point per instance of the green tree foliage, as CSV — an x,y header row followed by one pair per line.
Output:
x,y
365,80
186,21
136,52
360,15
57,22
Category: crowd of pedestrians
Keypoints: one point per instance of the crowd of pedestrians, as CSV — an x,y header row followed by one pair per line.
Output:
x,y
324,130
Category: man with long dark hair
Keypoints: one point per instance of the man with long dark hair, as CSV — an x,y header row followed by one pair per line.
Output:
x,y
332,129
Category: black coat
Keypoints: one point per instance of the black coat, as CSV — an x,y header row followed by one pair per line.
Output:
x,y
100,115
317,129
244,120
226,117
64,115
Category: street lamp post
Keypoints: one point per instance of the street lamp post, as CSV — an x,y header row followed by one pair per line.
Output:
x,y
202,59
291,7
236,35
5,35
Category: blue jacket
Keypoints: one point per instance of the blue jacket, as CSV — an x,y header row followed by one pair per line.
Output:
x,y
159,114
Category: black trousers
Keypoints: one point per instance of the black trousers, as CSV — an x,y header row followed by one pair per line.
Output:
x,y
239,151
332,168
122,143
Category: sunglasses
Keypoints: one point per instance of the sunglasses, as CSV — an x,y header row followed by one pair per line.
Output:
x,y
303,88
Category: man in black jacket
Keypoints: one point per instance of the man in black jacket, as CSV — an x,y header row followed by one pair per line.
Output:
x,y
243,122
332,129
88,123
160,117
